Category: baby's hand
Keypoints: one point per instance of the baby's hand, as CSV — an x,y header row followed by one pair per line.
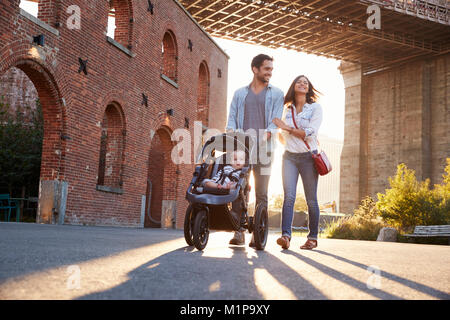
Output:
x,y
232,185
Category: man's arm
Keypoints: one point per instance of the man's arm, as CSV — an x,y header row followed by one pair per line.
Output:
x,y
277,111
232,116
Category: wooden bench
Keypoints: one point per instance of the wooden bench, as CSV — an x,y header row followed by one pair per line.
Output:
x,y
431,231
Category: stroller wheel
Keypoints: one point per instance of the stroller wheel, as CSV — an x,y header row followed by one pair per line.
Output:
x,y
261,227
200,231
189,224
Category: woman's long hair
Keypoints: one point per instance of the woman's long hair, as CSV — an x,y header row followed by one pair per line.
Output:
x,y
311,95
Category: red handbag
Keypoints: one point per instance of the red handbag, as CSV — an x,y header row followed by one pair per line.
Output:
x,y
321,162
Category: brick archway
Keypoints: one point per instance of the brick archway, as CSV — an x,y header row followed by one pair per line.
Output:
x,y
161,182
54,144
52,167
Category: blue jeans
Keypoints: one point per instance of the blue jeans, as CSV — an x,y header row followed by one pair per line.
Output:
x,y
293,165
262,177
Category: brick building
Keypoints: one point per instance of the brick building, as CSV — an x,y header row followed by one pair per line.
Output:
x,y
110,104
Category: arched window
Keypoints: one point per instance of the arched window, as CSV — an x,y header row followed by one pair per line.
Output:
x,y
120,22
111,147
169,56
203,94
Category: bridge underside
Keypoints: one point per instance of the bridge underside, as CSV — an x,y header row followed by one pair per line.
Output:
x,y
333,28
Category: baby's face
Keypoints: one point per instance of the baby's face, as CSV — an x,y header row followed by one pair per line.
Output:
x,y
238,160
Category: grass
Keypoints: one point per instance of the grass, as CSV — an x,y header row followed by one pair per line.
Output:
x,y
354,228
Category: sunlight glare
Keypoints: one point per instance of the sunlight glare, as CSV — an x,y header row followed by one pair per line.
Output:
x,y
270,288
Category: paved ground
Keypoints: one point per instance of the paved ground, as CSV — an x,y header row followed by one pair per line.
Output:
x,y
71,262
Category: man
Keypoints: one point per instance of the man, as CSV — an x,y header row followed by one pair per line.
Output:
x,y
252,110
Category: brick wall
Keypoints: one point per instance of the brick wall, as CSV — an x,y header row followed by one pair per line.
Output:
x,y
17,90
75,104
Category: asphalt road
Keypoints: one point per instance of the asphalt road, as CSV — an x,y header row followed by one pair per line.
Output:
x,y
75,262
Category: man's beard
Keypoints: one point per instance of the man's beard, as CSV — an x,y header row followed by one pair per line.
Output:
x,y
263,79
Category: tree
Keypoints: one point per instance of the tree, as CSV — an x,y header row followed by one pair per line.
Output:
x,y
21,135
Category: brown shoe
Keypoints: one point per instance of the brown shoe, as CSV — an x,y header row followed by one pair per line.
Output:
x,y
252,242
238,239
284,242
309,244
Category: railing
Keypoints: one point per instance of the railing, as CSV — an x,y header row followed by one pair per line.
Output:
x,y
433,10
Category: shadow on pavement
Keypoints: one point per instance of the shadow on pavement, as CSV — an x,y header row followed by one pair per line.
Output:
x,y
411,284
344,278
186,273
27,248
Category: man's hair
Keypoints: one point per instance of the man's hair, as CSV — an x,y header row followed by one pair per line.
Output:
x,y
259,60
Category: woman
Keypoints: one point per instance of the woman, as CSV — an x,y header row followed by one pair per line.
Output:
x,y
300,103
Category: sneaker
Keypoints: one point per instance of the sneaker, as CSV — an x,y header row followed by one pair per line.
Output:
x,y
238,239
284,242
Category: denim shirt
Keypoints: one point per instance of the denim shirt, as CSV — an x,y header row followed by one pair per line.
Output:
x,y
273,109
309,120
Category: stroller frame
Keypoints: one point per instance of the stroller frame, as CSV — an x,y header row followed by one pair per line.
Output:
x,y
213,212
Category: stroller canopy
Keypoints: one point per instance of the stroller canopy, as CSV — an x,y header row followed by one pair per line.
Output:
x,y
227,143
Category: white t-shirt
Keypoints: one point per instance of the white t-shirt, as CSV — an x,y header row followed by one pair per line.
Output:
x,y
309,120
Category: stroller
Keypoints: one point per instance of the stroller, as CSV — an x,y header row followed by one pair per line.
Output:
x,y
209,210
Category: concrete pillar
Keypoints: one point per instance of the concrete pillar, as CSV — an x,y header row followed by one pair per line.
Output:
x,y
426,136
351,151
52,202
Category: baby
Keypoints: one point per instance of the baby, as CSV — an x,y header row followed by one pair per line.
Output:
x,y
228,176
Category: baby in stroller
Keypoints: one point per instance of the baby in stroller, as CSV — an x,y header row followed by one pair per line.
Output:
x,y
218,193
228,176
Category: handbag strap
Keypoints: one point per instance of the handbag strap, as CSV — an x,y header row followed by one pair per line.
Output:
x,y
295,124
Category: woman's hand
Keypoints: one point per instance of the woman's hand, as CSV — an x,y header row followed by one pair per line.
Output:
x,y
280,124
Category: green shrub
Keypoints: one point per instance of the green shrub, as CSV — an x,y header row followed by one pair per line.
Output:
x,y
364,224
410,202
